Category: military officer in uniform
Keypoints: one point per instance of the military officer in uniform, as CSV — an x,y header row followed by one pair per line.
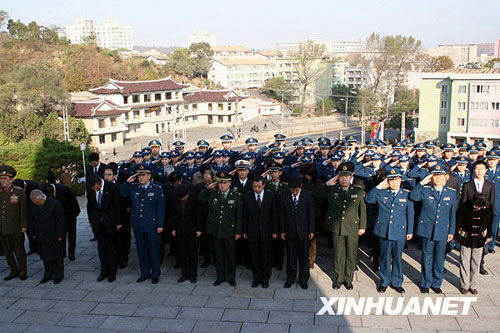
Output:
x,y
155,146
393,227
13,223
224,224
147,219
435,225
346,219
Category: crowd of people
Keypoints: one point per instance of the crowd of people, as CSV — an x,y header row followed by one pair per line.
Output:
x,y
257,206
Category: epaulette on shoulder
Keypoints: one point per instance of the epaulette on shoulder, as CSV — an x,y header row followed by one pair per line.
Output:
x,y
358,187
406,190
18,188
427,186
449,188
284,183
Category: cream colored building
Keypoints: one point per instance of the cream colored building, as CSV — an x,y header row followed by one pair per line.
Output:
x,y
461,54
110,34
128,109
241,72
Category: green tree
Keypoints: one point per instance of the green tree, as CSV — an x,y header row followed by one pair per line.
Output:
x,y
440,63
201,58
339,94
277,87
180,62
4,17
308,70
406,100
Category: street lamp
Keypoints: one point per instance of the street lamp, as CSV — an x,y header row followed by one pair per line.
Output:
x,y
323,110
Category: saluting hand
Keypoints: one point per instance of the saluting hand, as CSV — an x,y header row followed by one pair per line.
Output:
x,y
408,237
23,230
245,236
132,178
361,231
450,237
212,186
236,237
274,236
427,179
332,181
383,184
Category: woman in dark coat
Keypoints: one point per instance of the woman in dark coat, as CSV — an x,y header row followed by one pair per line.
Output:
x,y
186,229
474,221
46,220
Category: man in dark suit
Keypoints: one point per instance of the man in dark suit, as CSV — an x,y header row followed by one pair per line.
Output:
x,y
71,208
95,167
28,186
297,228
103,206
260,227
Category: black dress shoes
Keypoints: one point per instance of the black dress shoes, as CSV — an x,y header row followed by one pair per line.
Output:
x,y
348,285
424,290
23,277
155,280
482,271
400,290
143,278
255,284
45,280
111,278
304,286
381,289
57,281
71,257
182,279
10,277
288,284
336,285
93,239
101,277
437,290
192,280
218,282
265,285
232,283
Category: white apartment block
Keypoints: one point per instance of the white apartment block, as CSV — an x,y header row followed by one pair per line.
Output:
x,y
461,54
110,34
202,37
241,72
234,52
129,109
332,48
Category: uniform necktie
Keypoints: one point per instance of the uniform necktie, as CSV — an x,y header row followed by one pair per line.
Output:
x,y
393,195
295,201
99,198
439,194
95,169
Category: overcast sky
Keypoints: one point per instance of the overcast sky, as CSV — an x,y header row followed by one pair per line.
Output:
x,y
261,23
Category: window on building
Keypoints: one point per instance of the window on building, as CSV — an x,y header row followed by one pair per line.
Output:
x,y
481,88
444,104
158,97
444,89
460,121
135,98
462,89
114,121
195,119
229,106
125,99
113,137
147,98
137,114
102,139
442,120
495,106
209,106
210,120
195,107
168,95
186,107
461,105
102,123
220,119
494,123
229,118
220,106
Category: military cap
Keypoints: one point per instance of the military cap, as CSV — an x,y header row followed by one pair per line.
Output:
x,y
274,146
430,144
337,156
306,159
473,149
174,153
7,170
218,153
309,151
307,140
396,153
299,144
409,142
279,154
338,142
376,157
438,169
404,158
189,155
275,166
497,147
165,154
431,158
462,160
324,144
142,169
178,144
492,154
393,173
251,141
350,138
399,145
371,143
279,137
419,146
345,168
248,155
481,145
381,143
447,146
137,154
199,154
323,138
154,143
222,177
369,152
463,146
226,138
146,151
242,164
346,145
202,143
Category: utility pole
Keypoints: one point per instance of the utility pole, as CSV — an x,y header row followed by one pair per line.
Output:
x,y
403,125
362,121
346,107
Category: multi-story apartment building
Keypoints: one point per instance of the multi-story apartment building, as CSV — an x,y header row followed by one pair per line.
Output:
x,y
460,105
241,72
332,48
128,109
110,34
461,54
224,52
496,48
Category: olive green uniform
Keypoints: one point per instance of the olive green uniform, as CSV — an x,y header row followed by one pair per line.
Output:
x,y
224,221
346,214
13,217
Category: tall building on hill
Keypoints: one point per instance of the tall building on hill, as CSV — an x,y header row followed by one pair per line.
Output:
x,y
496,48
110,34
461,54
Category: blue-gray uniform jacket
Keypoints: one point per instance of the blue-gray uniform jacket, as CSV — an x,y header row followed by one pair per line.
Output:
x,y
364,171
463,178
494,177
187,172
437,217
148,206
418,173
395,214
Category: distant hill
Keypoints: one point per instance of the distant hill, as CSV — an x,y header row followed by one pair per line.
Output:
x,y
163,50
485,48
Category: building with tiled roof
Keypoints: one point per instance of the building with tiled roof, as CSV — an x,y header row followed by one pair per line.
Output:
x,y
241,72
128,109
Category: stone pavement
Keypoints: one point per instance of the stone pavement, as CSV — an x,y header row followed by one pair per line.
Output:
x,y
81,304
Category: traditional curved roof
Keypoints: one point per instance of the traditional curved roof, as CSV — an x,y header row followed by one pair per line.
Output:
x,y
129,87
